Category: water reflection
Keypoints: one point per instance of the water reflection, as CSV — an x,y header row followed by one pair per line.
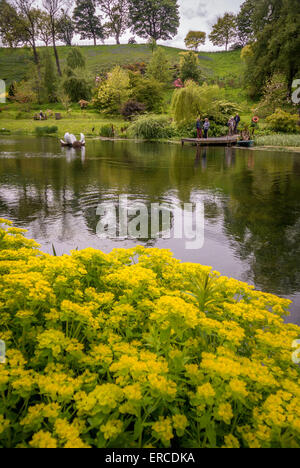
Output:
x,y
252,200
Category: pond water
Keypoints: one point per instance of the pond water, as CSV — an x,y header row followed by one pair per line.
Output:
x,y
251,201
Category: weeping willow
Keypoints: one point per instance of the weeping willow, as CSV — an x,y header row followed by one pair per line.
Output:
x,y
192,101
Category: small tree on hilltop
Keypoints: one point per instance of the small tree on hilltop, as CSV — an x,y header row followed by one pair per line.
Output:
x,y
224,31
194,39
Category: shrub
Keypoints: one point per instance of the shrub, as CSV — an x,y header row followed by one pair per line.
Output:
x,y
159,67
151,128
113,92
77,88
189,66
135,348
282,121
132,108
40,131
107,131
147,91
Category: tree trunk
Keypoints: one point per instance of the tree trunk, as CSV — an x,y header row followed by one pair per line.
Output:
x,y
95,42
55,52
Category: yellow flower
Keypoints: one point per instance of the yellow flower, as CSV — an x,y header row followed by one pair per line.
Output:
x,y
231,442
43,439
224,413
112,429
163,429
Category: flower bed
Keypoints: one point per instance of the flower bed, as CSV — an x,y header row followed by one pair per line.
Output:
x,y
135,349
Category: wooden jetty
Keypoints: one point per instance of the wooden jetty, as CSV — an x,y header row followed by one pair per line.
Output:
x,y
223,141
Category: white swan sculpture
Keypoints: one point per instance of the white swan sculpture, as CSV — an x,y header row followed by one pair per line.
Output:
x,y
71,141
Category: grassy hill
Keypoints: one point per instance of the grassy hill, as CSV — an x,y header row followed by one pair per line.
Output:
x,y
224,67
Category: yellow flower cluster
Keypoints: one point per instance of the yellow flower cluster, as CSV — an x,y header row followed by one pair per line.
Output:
x,y
136,349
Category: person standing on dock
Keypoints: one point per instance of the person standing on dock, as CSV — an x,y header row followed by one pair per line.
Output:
x,y
206,127
237,120
199,126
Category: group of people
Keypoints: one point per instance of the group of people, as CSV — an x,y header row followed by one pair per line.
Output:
x,y
233,124
204,126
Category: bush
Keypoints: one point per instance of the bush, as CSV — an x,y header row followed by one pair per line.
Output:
x,y
151,128
132,108
113,92
40,131
147,91
135,348
77,88
282,121
107,131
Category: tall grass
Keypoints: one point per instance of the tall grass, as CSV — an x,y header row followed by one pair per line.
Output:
x,y
278,140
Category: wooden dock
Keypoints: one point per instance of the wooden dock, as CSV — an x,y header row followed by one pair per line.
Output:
x,y
223,141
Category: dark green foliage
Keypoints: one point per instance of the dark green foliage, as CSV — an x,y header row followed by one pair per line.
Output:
x,y
276,25
158,19
132,108
147,91
87,23
77,88
40,131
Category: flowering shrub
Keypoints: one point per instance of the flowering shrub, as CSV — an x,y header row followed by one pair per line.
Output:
x,y
135,349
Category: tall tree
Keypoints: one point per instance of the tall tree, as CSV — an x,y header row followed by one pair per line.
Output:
x,y
11,28
224,31
53,8
65,28
194,39
44,28
276,27
158,19
29,17
244,22
116,12
87,23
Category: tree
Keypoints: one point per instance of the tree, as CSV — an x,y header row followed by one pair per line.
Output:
x,y
158,19
87,23
11,28
65,28
224,31
50,79
44,29
75,59
53,7
159,67
193,100
116,12
114,92
189,66
194,39
29,18
244,23
276,27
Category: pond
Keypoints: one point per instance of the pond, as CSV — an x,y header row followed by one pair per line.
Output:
x,y
251,201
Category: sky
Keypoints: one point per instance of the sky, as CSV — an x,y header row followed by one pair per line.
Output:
x,y
197,15
200,15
